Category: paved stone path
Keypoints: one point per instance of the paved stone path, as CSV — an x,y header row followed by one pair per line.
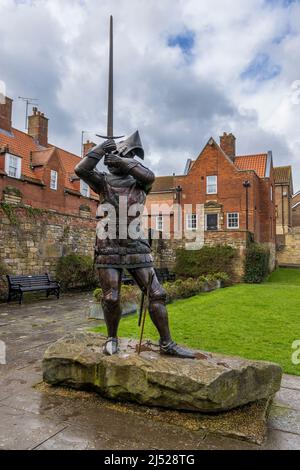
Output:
x,y
33,419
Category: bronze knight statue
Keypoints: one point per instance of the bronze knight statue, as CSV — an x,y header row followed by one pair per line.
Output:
x,y
129,181
128,178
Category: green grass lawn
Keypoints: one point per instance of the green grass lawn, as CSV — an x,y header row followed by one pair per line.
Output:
x,y
254,321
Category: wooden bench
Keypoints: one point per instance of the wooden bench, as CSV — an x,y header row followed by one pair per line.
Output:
x,y
17,285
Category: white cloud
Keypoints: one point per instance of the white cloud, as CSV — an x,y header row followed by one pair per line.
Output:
x,y
57,51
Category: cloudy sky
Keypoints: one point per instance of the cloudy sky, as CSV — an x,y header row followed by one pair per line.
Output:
x,y
184,70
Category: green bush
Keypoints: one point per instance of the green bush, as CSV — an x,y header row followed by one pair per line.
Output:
x,y
182,289
13,191
185,288
256,264
129,294
76,271
179,289
3,281
207,260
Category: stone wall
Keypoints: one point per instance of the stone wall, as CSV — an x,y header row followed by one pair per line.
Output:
x,y
32,240
290,253
164,251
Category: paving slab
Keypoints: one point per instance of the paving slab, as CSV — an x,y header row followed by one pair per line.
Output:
x,y
289,398
285,419
23,431
291,381
32,419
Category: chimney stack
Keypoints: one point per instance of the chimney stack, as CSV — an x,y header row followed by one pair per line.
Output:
x,y
87,146
6,114
38,127
227,144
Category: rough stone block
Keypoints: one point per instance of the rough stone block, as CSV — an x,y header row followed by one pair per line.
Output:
x,y
210,383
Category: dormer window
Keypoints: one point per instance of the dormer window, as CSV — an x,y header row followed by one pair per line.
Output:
x,y
84,189
53,180
13,165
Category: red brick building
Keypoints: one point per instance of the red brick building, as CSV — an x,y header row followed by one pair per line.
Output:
x,y
36,172
237,194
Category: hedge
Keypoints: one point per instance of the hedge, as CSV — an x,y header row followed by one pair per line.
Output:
x,y
207,260
76,271
180,289
256,264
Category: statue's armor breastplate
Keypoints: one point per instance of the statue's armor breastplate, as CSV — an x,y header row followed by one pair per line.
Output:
x,y
121,250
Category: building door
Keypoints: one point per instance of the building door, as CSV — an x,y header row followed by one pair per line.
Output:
x,y
211,221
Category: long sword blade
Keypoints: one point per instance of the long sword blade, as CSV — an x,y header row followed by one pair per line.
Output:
x,y
110,110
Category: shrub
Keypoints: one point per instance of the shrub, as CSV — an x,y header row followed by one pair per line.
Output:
x,y
256,264
185,288
207,260
221,277
179,289
3,282
76,271
84,207
129,294
13,191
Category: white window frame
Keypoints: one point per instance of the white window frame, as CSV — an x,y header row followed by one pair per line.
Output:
x,y
55,174
218,221
271,192
238,220
190,218
209,185
18,165
83,186
159,223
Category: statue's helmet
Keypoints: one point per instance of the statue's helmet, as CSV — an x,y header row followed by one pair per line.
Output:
x,y
131,144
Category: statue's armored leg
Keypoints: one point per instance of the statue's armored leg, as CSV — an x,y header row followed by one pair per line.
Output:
x,y
157,301
158,312
110,283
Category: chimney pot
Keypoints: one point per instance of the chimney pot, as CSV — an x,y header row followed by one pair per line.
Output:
x,y
38,127
87,146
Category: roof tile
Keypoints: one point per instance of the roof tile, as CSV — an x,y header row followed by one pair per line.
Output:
x,y
23,145
258,163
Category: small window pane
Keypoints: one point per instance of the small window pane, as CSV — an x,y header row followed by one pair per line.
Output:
x,y
233,220
53,180
211,184
84,189
13,166
191,221
159,223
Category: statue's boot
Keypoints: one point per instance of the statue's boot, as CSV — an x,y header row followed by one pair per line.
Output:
x,y
111,346
172,349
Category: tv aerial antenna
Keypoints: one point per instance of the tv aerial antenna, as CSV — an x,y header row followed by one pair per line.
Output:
x,y
28,101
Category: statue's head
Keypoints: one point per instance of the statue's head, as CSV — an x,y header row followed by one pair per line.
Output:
x,y
131,146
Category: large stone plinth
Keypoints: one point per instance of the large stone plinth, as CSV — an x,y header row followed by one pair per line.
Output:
x,y
210,383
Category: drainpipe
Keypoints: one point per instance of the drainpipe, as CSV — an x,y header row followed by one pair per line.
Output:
x,y
247,185
178,192
282,210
